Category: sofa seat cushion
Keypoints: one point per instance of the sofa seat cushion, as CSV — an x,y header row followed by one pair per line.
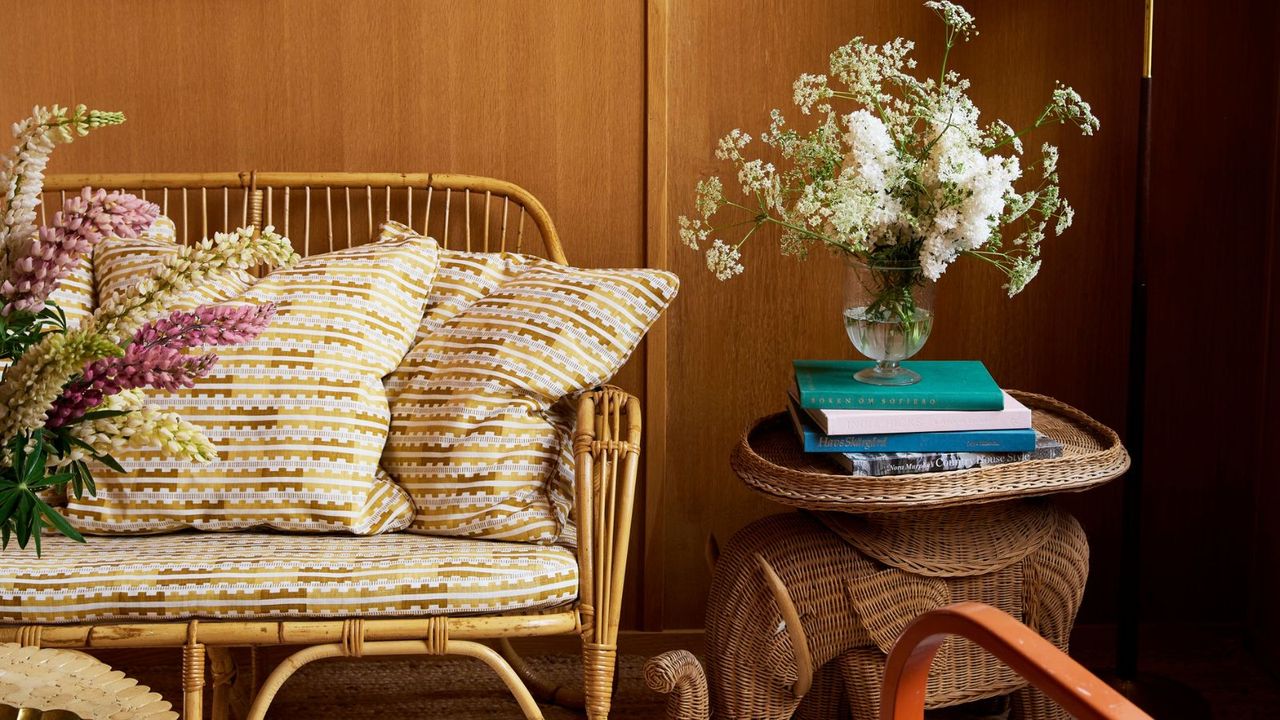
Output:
x,y
268,575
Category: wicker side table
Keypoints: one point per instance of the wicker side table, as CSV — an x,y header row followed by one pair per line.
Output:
x,y
64,684
804,606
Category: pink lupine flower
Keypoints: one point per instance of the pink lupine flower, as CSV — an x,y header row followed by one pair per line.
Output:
x,y
53,251
155,358
157,367
207,325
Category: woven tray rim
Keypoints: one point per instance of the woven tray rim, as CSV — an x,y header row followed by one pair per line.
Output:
x,y
860,493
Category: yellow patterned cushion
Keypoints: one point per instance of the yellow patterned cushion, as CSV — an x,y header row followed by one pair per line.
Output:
x,y
481,407
262,575
299,416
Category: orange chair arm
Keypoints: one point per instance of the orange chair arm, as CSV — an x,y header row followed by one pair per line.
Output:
x,y
1037,660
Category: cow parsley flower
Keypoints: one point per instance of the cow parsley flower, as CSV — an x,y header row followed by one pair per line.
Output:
x,y
724,260
809,90
1023,271
693,232
1066,216
710,194
1049,164
756,176
954,16
731,145
1069,107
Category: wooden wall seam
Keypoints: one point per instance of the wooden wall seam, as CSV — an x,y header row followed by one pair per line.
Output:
x,y
657,229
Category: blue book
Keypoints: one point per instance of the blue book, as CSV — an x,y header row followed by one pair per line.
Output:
x,y
944,385
815,440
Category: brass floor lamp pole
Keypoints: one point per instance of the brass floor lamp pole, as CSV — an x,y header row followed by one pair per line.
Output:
x,y
1159,696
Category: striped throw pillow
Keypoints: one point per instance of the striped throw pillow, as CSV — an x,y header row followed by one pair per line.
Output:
x,y
482,407
299,416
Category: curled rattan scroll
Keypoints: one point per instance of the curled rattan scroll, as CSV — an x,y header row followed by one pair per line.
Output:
x,y
770,460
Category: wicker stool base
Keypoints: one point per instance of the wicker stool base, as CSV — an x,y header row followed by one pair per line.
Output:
x,y
851,607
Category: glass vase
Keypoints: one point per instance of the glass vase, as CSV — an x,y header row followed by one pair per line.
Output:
x,y
888,314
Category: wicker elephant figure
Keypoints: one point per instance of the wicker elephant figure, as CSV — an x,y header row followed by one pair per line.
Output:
x,y
799,619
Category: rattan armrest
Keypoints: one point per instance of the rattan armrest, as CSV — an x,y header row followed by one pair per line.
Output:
x,y
606,447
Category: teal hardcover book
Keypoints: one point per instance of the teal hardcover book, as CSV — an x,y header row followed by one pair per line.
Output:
x,y
944,385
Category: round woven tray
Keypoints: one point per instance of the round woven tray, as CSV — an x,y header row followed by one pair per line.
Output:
x,y
771,460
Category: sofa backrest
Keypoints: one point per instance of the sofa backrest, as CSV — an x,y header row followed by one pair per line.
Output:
x,y
326,211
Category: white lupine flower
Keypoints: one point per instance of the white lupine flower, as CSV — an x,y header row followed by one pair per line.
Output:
x,y
132,307
142,425
723,260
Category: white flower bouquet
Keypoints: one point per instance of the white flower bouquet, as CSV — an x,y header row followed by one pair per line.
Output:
x,y
908,179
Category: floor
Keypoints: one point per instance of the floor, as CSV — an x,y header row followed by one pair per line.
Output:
x,y
1213,661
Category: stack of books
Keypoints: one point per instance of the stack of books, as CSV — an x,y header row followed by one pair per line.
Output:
x,y
955,418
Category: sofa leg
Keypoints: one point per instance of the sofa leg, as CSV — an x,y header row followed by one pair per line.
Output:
x,y
599,662
542,691
192,681
223,672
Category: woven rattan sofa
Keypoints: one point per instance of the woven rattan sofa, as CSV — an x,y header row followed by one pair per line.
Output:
x,y
323,212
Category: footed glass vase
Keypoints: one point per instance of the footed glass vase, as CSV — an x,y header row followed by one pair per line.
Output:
x,y
888,314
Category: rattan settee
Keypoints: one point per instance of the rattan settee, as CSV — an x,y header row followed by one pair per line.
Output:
x,y
326,211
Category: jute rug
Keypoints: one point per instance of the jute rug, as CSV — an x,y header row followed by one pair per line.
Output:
x,y
429,687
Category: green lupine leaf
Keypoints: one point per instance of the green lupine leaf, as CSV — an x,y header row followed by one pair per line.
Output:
x,y
102,415
60,523
7,506
22,520
111,463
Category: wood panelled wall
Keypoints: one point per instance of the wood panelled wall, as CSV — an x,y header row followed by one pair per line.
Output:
x,y
608,112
